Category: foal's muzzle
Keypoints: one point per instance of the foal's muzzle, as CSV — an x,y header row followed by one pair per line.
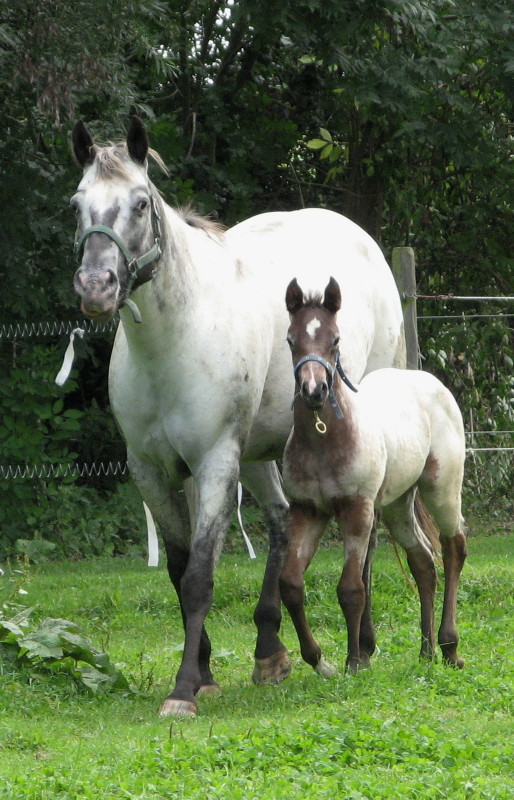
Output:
x,y
315,396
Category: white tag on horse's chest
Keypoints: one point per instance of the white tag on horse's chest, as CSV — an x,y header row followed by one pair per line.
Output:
x,y
153,542
69,358
248,543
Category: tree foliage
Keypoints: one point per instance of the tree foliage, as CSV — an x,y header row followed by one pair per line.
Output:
x,y
398,114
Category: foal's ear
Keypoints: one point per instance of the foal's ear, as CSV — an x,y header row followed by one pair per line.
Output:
x,y
137,140
82,143
332,299
294,297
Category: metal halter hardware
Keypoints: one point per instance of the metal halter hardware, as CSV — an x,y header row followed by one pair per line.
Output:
x,y
140,269
331,369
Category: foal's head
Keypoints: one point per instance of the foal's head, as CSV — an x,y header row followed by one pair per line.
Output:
x,y
313,337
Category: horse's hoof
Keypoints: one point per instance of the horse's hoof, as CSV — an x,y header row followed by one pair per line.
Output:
x,y
273,669
325,669
172,707
209,690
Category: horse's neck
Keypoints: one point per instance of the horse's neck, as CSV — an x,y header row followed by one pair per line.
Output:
x,y
167,303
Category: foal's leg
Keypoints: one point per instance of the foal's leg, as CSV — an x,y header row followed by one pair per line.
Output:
x,y
305,530
355,516
445,509
367,638
272,663
401,521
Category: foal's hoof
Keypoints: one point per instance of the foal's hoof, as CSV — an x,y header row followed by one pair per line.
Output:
x,y
209,690
172,707
273,669
325,669
455,663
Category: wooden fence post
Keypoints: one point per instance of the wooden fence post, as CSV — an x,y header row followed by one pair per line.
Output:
x,y
404,271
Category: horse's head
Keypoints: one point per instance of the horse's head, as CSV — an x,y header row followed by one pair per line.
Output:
x,y
313,337
118,232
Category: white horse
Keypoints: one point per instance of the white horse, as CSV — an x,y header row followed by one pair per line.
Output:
x,y
199,378
401,433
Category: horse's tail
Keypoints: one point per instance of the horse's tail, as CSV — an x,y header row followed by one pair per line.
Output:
x,y
428,527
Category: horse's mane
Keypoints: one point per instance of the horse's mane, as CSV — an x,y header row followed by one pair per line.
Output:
x,y
112,159
206,224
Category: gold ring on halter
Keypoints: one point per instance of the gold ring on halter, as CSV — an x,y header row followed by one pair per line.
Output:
x,y
319,424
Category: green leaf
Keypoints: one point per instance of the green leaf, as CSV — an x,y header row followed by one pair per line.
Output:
x,y
316,144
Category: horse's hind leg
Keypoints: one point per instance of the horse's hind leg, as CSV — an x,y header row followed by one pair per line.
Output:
x,y
305,529
400,520
272,663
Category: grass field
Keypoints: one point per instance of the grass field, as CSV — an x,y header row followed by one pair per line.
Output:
x,y
399,730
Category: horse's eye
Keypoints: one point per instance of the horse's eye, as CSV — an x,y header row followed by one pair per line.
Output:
x,y
290,342
74,206
336,341
142,204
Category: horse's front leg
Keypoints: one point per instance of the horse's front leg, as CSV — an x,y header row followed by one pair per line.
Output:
x,y
355,516
272,663
306,526
173,516
216,481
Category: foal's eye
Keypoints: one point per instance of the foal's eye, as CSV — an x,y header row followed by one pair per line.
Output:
x,y
290,342
142,204
336,341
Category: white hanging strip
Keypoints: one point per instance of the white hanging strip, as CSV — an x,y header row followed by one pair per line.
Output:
x,y
153,542
69,357
251,551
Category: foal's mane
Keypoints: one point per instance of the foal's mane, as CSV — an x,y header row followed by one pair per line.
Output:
x,y
313,300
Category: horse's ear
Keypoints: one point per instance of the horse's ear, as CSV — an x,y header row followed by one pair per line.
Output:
x,y
83,146
332,299
137,140
294,297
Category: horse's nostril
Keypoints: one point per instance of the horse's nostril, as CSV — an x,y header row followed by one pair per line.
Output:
x,y
324,388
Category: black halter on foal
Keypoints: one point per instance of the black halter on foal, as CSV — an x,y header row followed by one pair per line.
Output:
x,y
331,370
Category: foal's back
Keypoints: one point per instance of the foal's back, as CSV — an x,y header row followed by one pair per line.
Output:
x,y
421,427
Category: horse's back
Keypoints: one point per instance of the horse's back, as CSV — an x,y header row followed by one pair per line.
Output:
x,y
312,245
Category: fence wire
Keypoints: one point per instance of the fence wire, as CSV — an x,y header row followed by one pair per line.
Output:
x,y
33,330
97,469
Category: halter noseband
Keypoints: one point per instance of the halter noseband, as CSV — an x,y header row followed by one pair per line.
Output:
x,y
141,269
331,369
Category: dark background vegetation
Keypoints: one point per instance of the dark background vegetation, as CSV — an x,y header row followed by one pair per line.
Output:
x,y
398,114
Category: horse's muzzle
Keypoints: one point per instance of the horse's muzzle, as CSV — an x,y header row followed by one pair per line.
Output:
x,y
98,289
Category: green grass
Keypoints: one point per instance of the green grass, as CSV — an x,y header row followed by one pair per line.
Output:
x,y
399,730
